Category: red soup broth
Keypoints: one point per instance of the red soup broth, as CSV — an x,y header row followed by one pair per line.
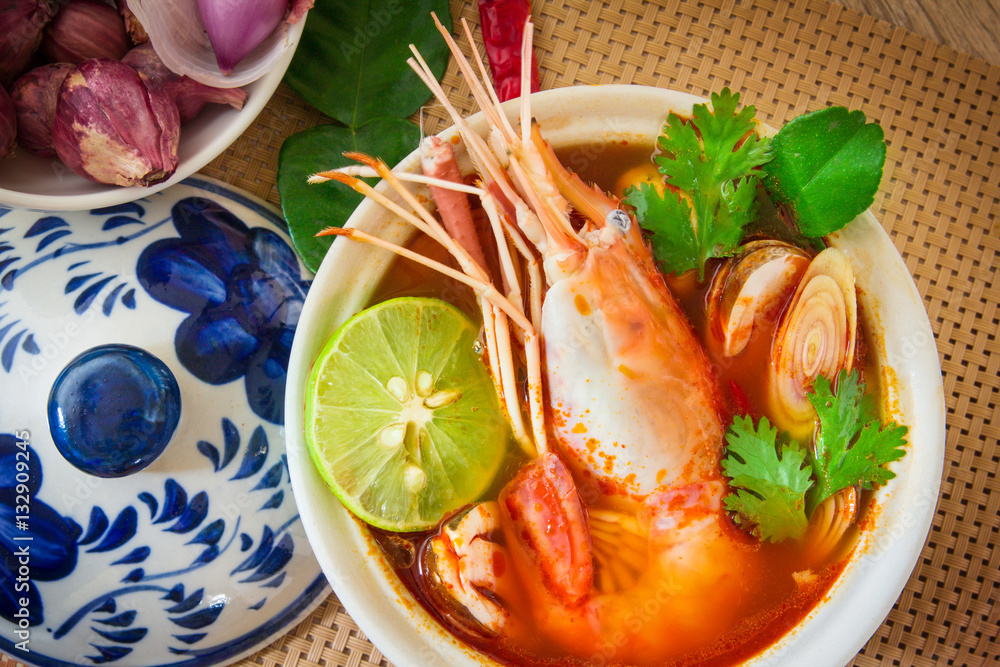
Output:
x,y
784,593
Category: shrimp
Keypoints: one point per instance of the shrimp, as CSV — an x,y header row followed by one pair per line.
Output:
x,y
614,532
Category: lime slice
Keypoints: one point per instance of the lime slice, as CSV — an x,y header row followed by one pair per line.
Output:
x,y
402,418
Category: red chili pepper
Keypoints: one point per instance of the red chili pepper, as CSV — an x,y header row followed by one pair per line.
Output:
x,y
742,403
502,23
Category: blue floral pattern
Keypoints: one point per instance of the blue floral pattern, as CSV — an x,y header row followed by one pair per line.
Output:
x,y
51,238
243,292
55,543
47,539
200,556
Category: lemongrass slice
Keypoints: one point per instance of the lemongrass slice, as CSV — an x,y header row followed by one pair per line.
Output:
x,y
751,288
178,36
816,336
832,519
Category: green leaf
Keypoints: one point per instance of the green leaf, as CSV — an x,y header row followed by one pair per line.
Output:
x,y
771,488
851,446
712,159
673,241
826,168
351,62
310,208
721,131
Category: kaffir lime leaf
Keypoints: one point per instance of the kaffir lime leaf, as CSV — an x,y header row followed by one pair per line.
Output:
x,y
826,168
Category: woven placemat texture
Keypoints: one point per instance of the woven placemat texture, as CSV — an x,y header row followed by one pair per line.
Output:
x,y
939,201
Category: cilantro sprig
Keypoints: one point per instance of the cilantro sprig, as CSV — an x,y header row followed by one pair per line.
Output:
x,y
771,487
851,447
710,163
777,487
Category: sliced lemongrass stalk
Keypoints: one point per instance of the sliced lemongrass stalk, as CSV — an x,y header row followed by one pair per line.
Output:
x,y
828,525
816,336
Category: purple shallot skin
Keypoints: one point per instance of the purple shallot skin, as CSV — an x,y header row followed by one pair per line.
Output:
x,y
132,24
85,29
189,95
297,10
237,27
8,123
35,95
113,126
21,24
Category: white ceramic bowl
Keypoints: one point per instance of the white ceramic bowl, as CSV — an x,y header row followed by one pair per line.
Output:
x,y
898,330
43,184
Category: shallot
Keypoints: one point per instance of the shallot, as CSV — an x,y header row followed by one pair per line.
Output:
x,y
178,34
113,126
237,27
21,24
85,29
132,24
35,95
8,123
189,95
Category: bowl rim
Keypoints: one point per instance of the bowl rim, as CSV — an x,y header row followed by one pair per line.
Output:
x,y
259,93
881,564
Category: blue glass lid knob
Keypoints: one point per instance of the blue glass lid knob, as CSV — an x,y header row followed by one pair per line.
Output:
x,y
113,410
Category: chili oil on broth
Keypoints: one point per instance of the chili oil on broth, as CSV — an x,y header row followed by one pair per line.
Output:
x,y
781,598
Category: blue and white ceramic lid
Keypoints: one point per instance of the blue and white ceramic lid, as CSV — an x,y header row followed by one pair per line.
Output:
x,y
146,515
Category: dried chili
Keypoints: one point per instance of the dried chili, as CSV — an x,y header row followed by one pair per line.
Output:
x,y
502,24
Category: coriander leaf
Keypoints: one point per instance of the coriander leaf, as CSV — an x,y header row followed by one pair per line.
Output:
x,y
673,242
771,488
310,208
711,159
826,168
721,131
851,446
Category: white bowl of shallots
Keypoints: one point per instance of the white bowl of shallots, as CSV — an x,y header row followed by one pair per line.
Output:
x,y
105,103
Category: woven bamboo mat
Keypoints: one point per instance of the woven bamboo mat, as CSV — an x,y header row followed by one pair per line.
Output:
x,y
939,202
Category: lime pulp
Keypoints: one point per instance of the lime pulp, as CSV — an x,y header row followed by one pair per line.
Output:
x,y
402,419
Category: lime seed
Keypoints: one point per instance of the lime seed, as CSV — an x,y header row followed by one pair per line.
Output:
x,y
396,386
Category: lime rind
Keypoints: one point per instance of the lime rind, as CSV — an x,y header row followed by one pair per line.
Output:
x,y
457,447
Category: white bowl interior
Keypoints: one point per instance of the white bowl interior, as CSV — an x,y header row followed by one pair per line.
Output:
x,y
898,330
42,184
